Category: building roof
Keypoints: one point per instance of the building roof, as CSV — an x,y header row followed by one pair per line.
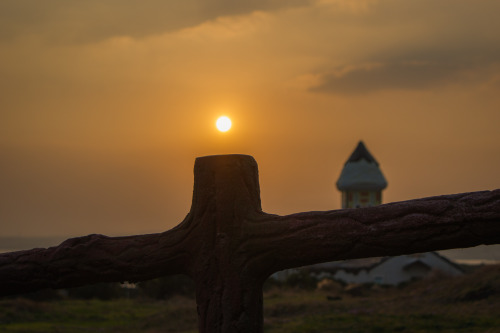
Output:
x,y
361,172
351,265
361,153
367,264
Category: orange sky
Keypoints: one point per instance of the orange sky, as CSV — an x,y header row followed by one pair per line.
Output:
x,y
105,104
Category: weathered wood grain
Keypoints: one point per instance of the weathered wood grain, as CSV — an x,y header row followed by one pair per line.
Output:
x,y
229,246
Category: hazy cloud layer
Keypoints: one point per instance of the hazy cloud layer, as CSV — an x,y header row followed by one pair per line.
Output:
x,y
94,20
416,45
370,78
403,75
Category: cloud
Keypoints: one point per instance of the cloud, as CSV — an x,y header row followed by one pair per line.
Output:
x,y
382,76
412,45
95,20
418,69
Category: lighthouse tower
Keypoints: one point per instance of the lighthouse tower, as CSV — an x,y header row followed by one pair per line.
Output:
x,y
361,181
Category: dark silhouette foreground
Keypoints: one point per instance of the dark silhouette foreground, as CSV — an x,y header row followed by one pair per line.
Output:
x,y
228,246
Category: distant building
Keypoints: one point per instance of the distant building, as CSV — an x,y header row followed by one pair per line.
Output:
x,y
386,270
361,181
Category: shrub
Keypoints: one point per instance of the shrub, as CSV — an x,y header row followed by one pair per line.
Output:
x,y
102,291
302,279
166,287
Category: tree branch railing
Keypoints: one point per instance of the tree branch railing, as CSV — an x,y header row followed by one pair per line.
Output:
x,y
229,246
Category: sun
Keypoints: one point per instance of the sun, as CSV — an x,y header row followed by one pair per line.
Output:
x,y
223,124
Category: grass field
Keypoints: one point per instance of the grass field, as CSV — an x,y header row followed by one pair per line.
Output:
x,y
470,303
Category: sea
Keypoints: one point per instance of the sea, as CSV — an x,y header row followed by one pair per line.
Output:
x,y
12,243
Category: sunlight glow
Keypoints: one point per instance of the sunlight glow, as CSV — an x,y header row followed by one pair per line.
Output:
x,y
223,124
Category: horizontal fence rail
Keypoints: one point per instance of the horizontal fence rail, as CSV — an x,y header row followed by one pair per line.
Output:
x,y
229,246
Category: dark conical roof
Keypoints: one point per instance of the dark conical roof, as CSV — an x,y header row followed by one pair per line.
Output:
x,y
361,153
361,172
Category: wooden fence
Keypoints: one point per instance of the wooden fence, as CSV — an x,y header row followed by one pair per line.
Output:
x,y
229,246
